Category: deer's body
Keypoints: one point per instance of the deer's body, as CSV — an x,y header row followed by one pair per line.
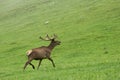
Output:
x,y
41,53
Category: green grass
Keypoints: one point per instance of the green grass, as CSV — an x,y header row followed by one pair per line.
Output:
x,y
88,29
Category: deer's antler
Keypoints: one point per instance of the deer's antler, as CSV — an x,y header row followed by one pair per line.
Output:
x,y
46,39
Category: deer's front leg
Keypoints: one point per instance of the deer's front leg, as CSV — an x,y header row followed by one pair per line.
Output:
x,y
39,64
52,61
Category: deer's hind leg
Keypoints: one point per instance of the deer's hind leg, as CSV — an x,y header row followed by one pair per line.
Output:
x,y
28,62
32,65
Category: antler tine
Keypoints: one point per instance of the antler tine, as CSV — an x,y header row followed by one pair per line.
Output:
x,y
48,37
44,39
54,36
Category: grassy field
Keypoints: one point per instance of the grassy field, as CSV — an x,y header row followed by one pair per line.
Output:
x,y
88,29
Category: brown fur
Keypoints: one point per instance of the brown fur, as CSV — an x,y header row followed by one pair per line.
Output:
x,y
41,53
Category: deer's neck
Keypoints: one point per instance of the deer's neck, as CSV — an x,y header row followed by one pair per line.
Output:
x,y
51,46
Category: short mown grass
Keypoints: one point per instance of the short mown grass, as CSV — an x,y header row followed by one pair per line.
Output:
x,y
89,32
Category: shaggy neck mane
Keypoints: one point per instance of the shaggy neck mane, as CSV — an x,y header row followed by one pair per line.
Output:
x,y
51,46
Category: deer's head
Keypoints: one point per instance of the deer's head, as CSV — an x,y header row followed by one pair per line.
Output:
x,y
52,39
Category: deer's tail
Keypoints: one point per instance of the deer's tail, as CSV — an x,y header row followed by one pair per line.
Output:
x,y
28,52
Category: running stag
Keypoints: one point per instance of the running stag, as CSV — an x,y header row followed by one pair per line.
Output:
x,y
42,52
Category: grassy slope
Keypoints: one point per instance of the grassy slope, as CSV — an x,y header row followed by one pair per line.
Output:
x,y
89,31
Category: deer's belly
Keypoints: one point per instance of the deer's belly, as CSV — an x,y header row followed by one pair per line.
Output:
x,y
41,57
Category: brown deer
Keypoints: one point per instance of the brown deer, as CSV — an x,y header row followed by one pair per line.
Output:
x,y
42,52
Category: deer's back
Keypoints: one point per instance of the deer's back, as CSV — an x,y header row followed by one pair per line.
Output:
x,y
40,53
